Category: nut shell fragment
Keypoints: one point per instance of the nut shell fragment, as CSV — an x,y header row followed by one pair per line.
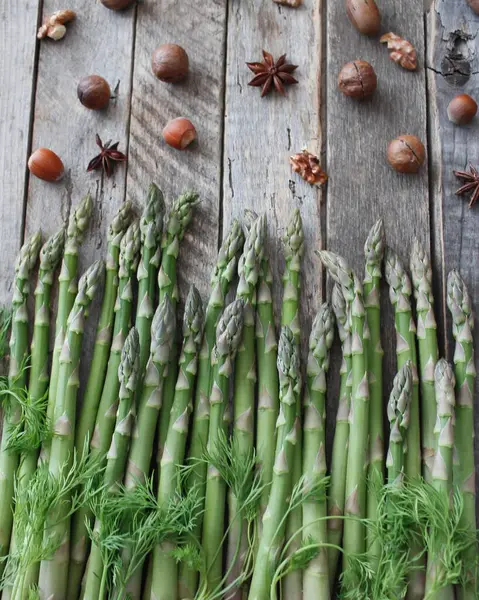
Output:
x,y
307,165
54,26
401,51
291,3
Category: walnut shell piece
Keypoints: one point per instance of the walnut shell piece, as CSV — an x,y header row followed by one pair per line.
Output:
x,y
364,15
307,165
401,51
357,79
54,25
406,154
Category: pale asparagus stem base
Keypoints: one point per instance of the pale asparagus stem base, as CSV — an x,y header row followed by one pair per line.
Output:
x,y
341,436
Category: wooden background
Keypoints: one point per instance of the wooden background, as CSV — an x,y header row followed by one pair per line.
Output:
x,y
241,157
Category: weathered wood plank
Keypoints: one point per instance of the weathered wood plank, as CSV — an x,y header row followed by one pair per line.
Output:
x,y
362,186
452,54
18,24
99,41
261,133
200,29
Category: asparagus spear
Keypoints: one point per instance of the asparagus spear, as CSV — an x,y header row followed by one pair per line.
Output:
x,y
287,430
53,577
459,304
165,569
101,351
66,296
50,256
355,491
17,378
293,242
339,457
245,385
315,576
105,416
398,412
95,584
428,353
221,279
151,227
442,468
228,338
400,294
374,252
268,384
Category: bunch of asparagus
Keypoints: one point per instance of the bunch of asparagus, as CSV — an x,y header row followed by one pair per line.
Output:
x,y
195,466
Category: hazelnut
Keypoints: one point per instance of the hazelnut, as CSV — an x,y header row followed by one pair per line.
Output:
x,y
462,109
179,133
46,165
474,4
93,92
170,63
357,79
364,15
117,4
406,154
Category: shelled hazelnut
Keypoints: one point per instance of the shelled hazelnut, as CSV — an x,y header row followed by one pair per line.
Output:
x,y
357,79
170,63
406,154
179,133
462,109
46,165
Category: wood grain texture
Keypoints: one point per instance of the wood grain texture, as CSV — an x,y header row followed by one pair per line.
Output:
x,y
453,51
200,29
261,133
99,41
362,186
18,24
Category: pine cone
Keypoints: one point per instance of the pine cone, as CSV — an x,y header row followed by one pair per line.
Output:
x,y
402,52
307,165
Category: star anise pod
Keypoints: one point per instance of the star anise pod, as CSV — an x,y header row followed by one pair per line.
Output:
x,y
471,183
307,165
109,154
269,73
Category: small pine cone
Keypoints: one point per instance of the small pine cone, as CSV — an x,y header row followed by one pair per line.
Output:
x,y
291,3
402,52
307,165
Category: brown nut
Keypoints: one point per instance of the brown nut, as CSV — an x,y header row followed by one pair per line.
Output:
x,y
357,79
170,63
179,133
474,4
364,15
117,4
93,92
406,154
462,109
46,165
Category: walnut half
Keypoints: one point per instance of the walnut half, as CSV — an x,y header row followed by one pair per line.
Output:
x,y
307,165
54,26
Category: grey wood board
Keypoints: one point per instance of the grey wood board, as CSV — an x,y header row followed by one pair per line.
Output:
x,y
200,29
362,186
453,29
261,133
18,26
99,41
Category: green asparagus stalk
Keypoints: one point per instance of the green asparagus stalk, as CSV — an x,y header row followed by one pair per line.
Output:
x,y
442,468
400,296
244,386
163,332
179,218
223,274
428,352
228,338
104,333
293,242
459,304
53,577
105,415
95,584
50,256
67,290
151,227
339,457
287,430
374,252
17,378
165,568
356,475
268,384
398,411
315,530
